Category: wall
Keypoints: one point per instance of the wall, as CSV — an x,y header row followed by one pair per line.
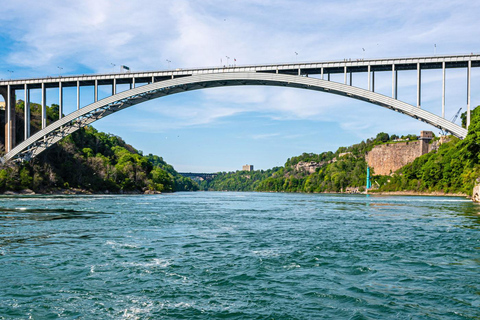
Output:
x,y
385,159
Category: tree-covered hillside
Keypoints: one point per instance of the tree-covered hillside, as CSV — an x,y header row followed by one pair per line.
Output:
x,y
333,172
92,161
454,168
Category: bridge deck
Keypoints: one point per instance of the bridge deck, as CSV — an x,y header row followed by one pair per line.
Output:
x,y
303,68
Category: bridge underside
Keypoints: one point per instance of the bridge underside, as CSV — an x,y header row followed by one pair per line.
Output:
x,y
102,108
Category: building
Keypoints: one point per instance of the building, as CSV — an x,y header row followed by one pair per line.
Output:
x,y
247,167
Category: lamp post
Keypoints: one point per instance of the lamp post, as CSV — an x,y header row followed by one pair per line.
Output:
x,y
168,61
296,56
113,66
228,58
60,71
11,73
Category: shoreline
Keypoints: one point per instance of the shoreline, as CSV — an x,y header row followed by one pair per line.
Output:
x,y
417,193
75,191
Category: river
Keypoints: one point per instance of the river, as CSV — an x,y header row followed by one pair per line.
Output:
x,y
227,255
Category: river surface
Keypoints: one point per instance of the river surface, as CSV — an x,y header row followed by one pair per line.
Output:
x,y
214,255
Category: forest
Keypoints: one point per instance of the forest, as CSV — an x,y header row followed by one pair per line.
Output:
x,y
90,161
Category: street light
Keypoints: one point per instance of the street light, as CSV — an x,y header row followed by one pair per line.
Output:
x,y
113,66
168,63
11,73
60,71
296,56
227,60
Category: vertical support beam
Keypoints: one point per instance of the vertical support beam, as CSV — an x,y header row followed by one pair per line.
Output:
x,y
44,106
469,74
321,73
78,95
60,100
8,136
345,74
373,81
299,72
393,81
27,112
133,82
443,89
153,78
114,87
396,84
351,78
369,78
419,85
329,76
96,91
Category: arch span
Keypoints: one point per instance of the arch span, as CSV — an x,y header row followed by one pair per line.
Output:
x,y
50,135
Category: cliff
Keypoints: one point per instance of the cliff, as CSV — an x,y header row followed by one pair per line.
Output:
x,y
387,158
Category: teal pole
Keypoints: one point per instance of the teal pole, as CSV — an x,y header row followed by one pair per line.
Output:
x,y
369,184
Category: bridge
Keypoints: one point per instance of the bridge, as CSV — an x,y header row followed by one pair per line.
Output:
x,y
198,176
144,86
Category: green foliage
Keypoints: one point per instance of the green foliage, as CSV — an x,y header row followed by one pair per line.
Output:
x,y
238,181
454,168
96,162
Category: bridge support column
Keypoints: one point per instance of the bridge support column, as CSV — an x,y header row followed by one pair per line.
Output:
x,y
419,85
132,85
394,82
321,73
26,112
373,81
96,91
44,106
345,75
9,97
443,89
78,95
60,100
351,78
369,78
114,87
469,72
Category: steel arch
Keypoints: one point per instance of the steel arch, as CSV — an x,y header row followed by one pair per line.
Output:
x,y
50,135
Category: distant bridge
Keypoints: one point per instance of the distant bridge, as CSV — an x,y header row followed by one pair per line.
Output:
x,y
145,86
199,176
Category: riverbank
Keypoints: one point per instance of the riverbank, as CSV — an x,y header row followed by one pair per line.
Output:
x,y
73,191
417,193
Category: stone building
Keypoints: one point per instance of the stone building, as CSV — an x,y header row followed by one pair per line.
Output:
x,y
247,167
387,158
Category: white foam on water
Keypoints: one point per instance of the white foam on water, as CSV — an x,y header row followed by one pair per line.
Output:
x,y
153,263
115,244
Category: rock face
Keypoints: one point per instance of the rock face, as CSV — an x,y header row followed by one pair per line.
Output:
x,y
387,158
476,193
309,167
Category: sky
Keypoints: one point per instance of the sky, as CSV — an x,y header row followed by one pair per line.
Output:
x,y
221,129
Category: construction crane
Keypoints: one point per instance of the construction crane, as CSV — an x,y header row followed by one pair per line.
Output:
x,y
456,115
443,133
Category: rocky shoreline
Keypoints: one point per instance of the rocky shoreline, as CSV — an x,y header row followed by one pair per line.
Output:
x,y
416,193
73,191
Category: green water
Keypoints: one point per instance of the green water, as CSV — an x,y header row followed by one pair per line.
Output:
x,y
210,255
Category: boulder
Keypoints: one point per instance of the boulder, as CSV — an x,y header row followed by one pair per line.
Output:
x,y
476,193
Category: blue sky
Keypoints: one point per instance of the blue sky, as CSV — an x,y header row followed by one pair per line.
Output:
x,y
221,129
